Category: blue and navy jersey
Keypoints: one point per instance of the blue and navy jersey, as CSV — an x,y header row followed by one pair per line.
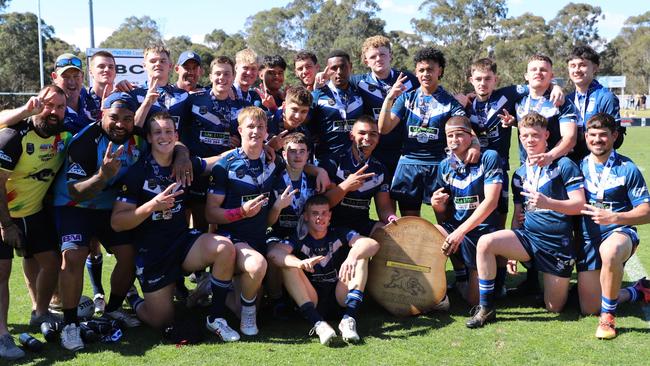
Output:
x,y
355,206
555,181
373,91
567,113
597,100
250,97
156,235
276,125
289,216
89,112
334,247
623,189
331,118
209,123
171,99
466,187
85,155
239,179
486,123
424,118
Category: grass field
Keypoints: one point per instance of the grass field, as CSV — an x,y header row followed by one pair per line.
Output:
x,y
524,335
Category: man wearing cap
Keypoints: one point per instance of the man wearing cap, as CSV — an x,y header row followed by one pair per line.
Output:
x,y
189,72
83,198
68,75
31,152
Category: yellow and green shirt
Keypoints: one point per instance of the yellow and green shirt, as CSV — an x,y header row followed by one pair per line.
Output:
x,y
33,161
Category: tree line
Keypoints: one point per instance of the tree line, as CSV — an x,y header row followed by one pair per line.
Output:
x,y
464,29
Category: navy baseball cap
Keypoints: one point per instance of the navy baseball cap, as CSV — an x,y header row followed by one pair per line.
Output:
x,y
188,55
121,100
66,62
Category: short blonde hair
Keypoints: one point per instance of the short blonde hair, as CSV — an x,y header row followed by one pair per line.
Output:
x,y
533,119
246,56
375,42
156,48
252,112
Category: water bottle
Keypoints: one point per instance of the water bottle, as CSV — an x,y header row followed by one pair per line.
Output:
x,y
30,343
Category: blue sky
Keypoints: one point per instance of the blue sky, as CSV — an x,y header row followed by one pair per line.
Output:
x,y
195,18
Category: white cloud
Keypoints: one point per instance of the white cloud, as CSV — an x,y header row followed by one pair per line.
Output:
x,y
405,7
80,36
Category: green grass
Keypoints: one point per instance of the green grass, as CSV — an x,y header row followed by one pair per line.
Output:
x,y
525,333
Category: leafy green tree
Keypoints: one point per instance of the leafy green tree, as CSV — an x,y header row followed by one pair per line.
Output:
x,y
19,70
517,39
134,33
630,51
225,44
460,28
574,24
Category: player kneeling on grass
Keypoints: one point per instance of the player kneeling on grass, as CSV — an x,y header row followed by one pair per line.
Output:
x,y
471,192
325,270
547,195
152,204
617,198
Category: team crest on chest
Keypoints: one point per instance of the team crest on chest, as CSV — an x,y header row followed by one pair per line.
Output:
x,y
331,101
240,173
29,148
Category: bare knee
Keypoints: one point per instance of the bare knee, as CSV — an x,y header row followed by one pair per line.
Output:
x,y
256,266
613,255
484,244
222,251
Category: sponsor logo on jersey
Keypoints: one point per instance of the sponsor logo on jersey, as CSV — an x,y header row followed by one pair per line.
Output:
x,y
5,157
76,169
70,238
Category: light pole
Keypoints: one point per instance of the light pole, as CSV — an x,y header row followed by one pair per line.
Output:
x,y
40,46
92,26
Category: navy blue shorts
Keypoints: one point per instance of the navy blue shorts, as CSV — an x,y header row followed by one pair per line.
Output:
x,y
155,274
261,246
363,225
413,184
277,235
468,246
589,251
544,259
77,226
39,234
328,307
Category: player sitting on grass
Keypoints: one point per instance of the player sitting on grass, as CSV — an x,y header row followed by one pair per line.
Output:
x,y
325,271
471,193
617,198
548,195
152,204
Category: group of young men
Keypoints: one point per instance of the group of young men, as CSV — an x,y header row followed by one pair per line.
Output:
x,y
278,182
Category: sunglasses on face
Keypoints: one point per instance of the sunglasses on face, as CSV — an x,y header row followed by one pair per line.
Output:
x,y
68,61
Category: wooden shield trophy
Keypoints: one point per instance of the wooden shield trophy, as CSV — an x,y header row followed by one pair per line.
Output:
x,y
407,275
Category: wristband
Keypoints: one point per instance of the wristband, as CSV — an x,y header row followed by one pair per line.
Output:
x,y
392,218
234,214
